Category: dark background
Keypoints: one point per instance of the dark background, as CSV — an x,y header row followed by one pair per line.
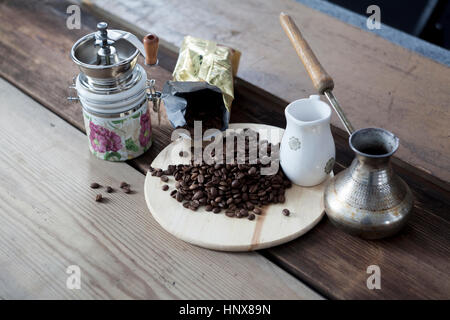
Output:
x,y
426,19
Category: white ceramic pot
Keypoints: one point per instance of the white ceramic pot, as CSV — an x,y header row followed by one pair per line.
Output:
x,y
307,149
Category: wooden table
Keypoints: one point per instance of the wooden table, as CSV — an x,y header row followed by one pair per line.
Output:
x,y
50,221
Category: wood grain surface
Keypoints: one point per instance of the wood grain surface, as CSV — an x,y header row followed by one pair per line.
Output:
x,y
378,83
51,221
219,232
414,264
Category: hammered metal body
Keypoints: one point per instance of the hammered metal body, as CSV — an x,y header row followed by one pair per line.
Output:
x,y
368,199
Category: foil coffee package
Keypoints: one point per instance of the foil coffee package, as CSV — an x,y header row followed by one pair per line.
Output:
x,y
202,86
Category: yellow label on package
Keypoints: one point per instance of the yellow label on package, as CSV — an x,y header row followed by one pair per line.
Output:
x,y
203,60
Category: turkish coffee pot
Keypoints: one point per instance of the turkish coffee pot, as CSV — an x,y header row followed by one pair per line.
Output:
x,y
114,91
367,199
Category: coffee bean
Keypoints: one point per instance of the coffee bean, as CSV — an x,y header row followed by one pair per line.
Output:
x,y
179,197
123,184
94,185
98,197
109,189
197,195
286,212
127,189
182,154
165,187
186,204
195,203
213,192
257,211
251,216
173,193
216,210
230,213
164,178
193,186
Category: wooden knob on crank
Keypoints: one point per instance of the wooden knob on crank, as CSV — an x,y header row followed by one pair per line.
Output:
x,y
151,43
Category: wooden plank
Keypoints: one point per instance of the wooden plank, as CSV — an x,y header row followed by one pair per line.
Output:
x,y
46,22
50,221
377,82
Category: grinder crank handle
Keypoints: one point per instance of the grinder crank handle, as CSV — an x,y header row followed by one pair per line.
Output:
x,y
321,80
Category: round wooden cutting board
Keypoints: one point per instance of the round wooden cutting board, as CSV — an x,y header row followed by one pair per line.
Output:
x,y
219,232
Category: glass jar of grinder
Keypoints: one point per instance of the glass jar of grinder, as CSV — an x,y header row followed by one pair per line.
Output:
x,y
114,91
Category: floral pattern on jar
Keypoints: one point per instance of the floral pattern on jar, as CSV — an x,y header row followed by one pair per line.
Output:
x,y
119,139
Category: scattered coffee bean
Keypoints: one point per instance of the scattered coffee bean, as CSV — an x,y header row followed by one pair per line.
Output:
x,y
127,189
109,189
164,178
216,210
286,212
182,154
173,193
95,185
98,197
165,187
123,184
251,216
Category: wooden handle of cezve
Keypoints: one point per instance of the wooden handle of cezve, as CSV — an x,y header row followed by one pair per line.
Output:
x,y
320,78
151,43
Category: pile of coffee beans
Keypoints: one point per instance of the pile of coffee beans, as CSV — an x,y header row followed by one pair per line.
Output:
x,y
238,189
